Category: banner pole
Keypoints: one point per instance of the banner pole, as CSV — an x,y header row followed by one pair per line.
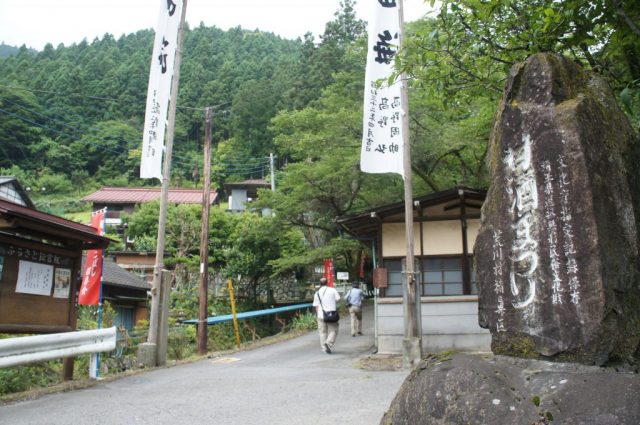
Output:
x,y
94,363
164,191
412,344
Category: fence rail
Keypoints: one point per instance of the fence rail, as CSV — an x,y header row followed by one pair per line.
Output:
x,y
29,349
248,314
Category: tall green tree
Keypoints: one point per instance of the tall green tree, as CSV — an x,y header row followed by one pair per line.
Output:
x,y
471,44
257,242
20,127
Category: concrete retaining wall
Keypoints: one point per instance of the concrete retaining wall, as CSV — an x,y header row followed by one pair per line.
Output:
x,y
448,323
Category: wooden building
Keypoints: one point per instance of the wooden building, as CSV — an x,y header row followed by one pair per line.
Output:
x,y
445,227
127,294
40,259
139,263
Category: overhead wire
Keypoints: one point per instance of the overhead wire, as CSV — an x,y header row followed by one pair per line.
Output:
x,y
230,167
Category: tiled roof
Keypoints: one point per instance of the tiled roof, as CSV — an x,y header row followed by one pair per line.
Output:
x,y
367,223
138,195
249,183
29,221
114,275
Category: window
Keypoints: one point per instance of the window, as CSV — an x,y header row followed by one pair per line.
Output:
x,y
442,276
437,276
395,278
10,193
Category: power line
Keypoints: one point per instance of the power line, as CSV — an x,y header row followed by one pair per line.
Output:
x,y
38,113
61,94
110,99
230,167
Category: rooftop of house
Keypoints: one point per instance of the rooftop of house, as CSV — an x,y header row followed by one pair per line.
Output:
x,y
139,195
20,220
12,191
247,184
366,223
114,275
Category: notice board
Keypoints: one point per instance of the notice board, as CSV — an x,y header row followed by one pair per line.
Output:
x,y
38,284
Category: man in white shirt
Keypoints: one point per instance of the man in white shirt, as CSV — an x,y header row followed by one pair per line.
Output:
x,y
354,300
326,298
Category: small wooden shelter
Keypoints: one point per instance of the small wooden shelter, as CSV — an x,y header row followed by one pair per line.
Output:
x,y
40,258
445,227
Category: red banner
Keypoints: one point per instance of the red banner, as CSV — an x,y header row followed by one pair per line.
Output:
x,y
92,275
329,272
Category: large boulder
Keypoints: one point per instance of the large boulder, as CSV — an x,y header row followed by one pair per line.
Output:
x,y
468,389
557,251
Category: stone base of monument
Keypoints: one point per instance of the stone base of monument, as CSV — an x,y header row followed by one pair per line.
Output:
x,y
147,354
411,352
486,389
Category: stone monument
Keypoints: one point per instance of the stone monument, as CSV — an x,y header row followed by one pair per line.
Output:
x,y
557,251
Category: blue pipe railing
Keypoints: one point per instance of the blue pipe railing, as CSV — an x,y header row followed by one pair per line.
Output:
x,y
249,314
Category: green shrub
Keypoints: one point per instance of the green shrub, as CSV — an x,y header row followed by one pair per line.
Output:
x,y
88,316
221,337
55,183
306,321
22,378
181,342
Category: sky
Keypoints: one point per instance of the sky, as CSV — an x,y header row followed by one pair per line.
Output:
x,y
38,22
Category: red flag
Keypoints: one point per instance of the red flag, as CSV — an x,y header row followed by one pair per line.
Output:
x,y
362,265
92,275
328,271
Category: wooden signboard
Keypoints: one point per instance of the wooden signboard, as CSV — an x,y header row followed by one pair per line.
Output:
x,y
380,277
38,283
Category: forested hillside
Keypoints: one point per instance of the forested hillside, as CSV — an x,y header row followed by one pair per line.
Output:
x,y
78,110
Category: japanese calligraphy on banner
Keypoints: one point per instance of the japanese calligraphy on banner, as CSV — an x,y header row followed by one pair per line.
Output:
x,y
164,51
382,138
329,271
90,287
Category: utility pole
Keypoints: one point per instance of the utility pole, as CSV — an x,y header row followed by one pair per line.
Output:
x,y
204,236
273,173
412,342
164,191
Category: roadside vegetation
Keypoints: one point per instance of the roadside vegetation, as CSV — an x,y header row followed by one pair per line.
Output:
x,y
182,347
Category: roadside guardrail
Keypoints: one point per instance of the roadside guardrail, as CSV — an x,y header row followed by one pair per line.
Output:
x,y
29,349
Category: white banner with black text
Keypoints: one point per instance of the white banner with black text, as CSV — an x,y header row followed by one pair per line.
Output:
x,y
382,138
158,93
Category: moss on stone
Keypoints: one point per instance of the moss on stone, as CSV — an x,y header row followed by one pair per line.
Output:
x,y
520,345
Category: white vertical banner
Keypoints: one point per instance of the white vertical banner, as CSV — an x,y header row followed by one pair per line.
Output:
x,y
382,131
158,93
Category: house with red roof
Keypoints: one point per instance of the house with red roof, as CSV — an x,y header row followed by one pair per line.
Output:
x,y
124,199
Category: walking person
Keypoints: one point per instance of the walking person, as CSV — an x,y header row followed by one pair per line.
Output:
x,y
325,300
354,301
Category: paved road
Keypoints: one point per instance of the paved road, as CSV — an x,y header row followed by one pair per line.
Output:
x,y
291,382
